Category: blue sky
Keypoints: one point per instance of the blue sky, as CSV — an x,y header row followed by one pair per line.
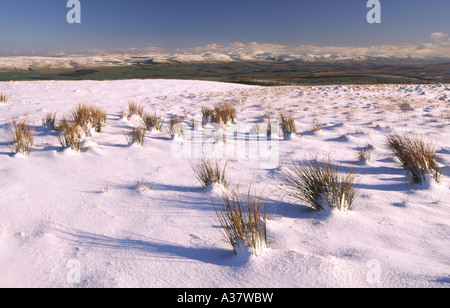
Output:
x,y
40,26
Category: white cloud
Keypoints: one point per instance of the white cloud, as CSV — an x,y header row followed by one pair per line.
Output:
x,y
437,36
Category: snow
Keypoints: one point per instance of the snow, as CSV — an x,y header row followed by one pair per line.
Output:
x,y
54,208
436,52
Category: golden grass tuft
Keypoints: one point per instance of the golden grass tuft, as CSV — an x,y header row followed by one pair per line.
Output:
x,y
49,120
269,128
71,130
288,125
142,185
3,98
243,219
316,127
21,137
135,108
207,115
224,113
152,121
105,189
321,184
88,116
136,135
365,153
209,172
69,134
417,156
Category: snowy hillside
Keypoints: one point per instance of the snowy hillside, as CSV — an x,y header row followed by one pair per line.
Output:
x,y
121,215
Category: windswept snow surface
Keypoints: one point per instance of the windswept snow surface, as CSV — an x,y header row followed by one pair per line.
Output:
x,y
59,229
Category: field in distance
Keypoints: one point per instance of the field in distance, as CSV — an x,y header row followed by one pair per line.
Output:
x,y
256,73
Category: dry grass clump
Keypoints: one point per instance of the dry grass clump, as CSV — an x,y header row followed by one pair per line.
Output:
x,y
72,130
417,156
243,219
135,108
87,117
3,98
208,115
136,135
224,113
142,185
321,184
152,121
105,189
209,172
365,153
97,120
21,137
50,120
316,127
69,134
269,128
288,126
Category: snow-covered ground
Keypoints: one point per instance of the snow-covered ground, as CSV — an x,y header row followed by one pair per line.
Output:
x,y
56,221
435,51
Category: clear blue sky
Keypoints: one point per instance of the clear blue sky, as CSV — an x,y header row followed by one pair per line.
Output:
x,y
41,25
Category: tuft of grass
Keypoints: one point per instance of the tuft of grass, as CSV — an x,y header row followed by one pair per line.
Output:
x,y
224,113
69,134
417,156
316,127
97,120
288,126
3,98
142,184
208,115
243,219
21,137
209,172
105,189
152,121
365,153
88,116
342,190
269,127
50,120
135,108
72,130
137,135
321,184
